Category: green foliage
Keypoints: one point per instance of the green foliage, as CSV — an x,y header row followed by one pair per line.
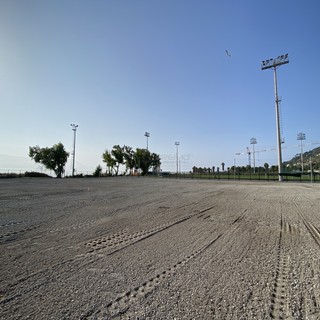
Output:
x,y
9,175
36,174
128,154
118,155
53,158
97,172
110,162
145,160
140,159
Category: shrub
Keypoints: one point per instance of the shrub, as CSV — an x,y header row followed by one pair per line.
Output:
x,y
36,174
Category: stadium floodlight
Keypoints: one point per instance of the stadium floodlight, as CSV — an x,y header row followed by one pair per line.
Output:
x,y
273,63
177,155
74,129
253,141
147,134
268,64
301,136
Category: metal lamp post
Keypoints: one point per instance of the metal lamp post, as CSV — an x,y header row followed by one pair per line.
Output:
x,y
147,135
253,141
301,136
74,129
177,155
268,64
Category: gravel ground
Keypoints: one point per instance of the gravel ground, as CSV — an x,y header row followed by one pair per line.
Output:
x,y
147,248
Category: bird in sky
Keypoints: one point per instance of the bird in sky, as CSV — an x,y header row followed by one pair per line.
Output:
x,y
228,54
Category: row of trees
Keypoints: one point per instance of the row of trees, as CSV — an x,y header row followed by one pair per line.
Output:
x,y
140,159
240,169
56,157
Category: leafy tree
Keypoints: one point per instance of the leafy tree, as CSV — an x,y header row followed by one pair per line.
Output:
x,y
142,159
128,154
155,161
97,172
110,162
274,168
145,160
53,158
118,155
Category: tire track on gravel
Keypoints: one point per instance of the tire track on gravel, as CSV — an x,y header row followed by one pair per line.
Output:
x,y
117,241
313,230
13,235
307,278
75,263
279,299
121,240
122,302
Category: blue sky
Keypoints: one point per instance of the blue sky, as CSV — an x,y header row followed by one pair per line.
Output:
x,y
120,68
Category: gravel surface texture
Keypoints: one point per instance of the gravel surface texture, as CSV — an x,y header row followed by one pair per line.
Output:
x,y
153,248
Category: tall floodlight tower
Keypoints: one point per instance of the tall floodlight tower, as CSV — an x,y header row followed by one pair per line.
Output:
x,y
147,134
253,141
268,64
74,129
177,155
301,136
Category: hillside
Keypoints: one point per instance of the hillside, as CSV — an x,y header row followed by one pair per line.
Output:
x,y
313,154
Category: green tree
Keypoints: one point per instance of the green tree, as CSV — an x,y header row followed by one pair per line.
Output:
x,y
144,160
118,155
155,162
110,162
97,172
53,158
128,154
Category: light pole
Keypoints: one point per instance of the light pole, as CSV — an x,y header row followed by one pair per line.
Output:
x,y
253,141
301,136
147,134
274,63
177,155
74,128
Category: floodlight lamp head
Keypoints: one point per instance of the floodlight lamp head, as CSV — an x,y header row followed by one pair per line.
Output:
x,y
74,126
273,63
177,143
301,136
253,141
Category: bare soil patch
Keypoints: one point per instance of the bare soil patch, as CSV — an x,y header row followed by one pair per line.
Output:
x,y
147,248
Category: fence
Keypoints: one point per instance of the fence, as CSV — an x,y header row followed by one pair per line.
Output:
x,y
273,176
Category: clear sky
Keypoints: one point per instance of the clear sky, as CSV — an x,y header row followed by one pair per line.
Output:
x,y
119,68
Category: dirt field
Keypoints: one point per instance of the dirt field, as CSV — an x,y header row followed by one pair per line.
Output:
x,y
144,248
